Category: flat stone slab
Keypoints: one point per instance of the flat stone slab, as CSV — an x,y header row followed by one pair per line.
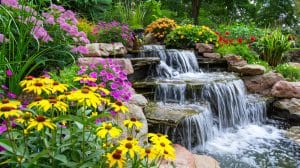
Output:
x,y
289,108
168,114
294,133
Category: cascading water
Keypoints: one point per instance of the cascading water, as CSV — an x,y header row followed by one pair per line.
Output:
x,y
232,126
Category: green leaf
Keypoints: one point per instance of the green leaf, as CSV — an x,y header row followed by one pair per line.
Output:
x,y
6,144
61,158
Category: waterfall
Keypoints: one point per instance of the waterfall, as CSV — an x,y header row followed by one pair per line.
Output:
x,y
170,93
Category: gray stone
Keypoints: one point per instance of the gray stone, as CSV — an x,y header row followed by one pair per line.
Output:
x,y
123,62
106,49
249,69
294,134
262,84
204,48
94,51
212,55
150,39
168,114
295,64
289,109
285,89
139,100
204,161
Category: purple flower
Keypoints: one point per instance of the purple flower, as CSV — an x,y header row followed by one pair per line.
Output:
x,y
9,73
40,33
93,74
59,8
3,128
4,87
1,38
2,148
11,3
80,49
11,95
109,76
113,86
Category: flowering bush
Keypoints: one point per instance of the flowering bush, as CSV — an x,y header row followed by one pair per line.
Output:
x,y
290,72
161,28
42,38
187,35
69,127
113,32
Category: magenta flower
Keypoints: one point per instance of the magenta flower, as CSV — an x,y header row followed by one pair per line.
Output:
x,y
40,33
11,95
58,8
3,128
93,75
1,38
4,87
11,3
9,73
80,49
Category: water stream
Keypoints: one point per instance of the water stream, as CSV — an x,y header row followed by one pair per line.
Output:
x,y
233,128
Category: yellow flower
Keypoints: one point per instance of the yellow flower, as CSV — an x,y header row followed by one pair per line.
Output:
x,y
116,157
87,97
94,114
67,96
118,106
40,122
29,80
9,103
167,155
149,153
130,147
38,88
133,122
157,138
24,118
51,103
107,129
85,78
9,111
58,87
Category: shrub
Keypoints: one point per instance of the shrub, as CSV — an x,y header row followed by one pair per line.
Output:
x,y
161,28
113,32
271,47
87,27
187,35
34,41
74,127
289,71
242,50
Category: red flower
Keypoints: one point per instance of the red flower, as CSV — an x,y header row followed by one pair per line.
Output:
x,y
252,39
227,33
225,40
217,33
240,40
220,38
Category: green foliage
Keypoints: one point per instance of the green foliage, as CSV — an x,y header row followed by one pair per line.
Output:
x,y
289,71
272,46
187,35
242,50
66,75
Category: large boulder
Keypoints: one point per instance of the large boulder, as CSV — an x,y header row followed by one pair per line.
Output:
x,y
288,109
212,55
106,49
204,161
235,60
123,62
139,100
204,48
262,84
150,39
285,89
249,69
184,159
294,133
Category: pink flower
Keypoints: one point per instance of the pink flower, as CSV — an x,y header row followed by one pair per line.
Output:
x,y
93,74
40,33
1,38
9,73
80,49
59,8
11,3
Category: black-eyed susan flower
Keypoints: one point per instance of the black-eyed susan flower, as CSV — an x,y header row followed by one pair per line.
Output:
x,y
9,111
149,153
38,88
24,118
84,78
169,155
116,158
87,97
133,122
130,147
9,103
119,107
58,87
108,129
67,96
51,103
40,122
28,81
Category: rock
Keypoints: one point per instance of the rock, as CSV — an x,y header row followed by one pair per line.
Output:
x,y
212,55
141,67
288,109
249,69
262,84
203,161
150,39
294,133
294,55
135,112
184,159
235,60
204,48
169,115
295,64
123,62
106,49
139,100
284,89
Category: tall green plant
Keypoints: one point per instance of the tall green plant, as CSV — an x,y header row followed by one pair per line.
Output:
x,y
272,46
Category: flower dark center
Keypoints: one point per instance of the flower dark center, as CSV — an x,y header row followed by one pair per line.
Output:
x,y
28,77
159,134
147,151
53,101
116,156
40,118
38,98
55,83
129,138
38,84
108,127
4,101
7,108
86,91
119,103
162,144
118,151
133,119
128,145
165,152
67,93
